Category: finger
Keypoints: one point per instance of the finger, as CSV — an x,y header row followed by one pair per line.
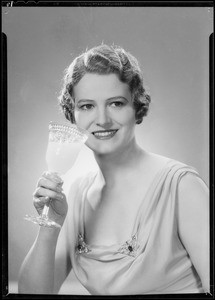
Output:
x,y
47,183
40,202
43,192
54,176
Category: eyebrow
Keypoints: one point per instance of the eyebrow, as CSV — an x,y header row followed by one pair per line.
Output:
x,y
108,99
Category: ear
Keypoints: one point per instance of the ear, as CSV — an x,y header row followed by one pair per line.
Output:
x,y
139,121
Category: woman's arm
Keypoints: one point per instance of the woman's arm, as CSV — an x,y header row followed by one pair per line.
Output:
x,y
37,271
46,265
193,223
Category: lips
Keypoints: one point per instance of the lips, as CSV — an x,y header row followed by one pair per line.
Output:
x,y
104,134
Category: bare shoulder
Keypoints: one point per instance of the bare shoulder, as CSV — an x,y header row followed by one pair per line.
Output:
x,y
193,198
192,185
193,207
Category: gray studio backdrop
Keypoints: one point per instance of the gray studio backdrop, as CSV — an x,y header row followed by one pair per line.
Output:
x,y
172,45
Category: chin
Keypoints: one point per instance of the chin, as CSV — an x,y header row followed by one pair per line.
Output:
x,y
107,147
102,149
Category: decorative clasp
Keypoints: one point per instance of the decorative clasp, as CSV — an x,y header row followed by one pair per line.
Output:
x,y
82,247
129,247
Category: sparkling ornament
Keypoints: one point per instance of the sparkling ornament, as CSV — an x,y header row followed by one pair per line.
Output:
x,y
129,247
82,246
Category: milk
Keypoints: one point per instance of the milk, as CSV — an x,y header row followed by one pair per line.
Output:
x,y
60,157
64,145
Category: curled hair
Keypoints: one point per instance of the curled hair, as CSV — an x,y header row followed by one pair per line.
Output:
x,y
103,60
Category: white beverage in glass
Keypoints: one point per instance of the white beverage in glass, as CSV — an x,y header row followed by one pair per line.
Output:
x,y
64,145
62,156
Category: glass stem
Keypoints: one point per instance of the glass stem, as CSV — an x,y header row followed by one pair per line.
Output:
x,y
45,211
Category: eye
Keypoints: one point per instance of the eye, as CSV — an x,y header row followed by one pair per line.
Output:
x,y
117,104
86,107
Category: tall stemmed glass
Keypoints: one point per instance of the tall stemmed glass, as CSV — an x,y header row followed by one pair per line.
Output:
x,y
64,145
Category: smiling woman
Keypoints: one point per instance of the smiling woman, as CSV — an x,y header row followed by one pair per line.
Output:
x,y
139,224
108,114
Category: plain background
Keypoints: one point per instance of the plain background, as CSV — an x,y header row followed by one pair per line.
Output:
x,y
172,46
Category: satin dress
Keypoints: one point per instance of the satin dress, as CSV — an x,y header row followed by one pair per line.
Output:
x,y
152,260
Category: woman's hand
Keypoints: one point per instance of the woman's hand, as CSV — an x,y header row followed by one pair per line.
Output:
x,y
49,191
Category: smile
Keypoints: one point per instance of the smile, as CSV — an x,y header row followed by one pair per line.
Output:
x,y
103,135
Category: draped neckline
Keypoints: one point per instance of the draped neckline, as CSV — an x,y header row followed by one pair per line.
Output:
x,y
135,227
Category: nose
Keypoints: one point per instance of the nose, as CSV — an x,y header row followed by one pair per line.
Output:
x,y
103,118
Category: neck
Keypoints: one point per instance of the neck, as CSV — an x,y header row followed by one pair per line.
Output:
x,y
114,165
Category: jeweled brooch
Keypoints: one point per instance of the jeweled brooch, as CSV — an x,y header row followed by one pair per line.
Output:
x,y
82,247
129,247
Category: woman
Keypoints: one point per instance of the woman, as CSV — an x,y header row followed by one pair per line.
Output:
x,y
140,223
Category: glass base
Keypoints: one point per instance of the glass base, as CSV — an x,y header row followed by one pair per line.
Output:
x,y
42,221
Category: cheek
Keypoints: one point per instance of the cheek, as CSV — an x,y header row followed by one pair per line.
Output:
x,y
127,117
80,119
76,115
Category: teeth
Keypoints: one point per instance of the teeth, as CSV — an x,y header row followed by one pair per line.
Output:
x,y
104,134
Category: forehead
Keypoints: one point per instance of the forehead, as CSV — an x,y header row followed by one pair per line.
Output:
x,y
96,86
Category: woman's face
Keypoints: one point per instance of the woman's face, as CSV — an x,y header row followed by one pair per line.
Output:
x,y
103,106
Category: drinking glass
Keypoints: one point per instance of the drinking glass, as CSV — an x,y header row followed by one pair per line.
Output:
x,y
64,144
